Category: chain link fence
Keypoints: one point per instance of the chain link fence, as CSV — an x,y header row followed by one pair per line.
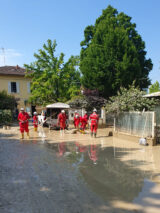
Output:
x,y
136,123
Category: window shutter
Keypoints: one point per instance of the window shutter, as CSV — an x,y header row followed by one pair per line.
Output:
x,y
9,87
28,87
17,85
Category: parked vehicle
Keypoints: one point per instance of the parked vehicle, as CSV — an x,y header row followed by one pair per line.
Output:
x,y
52,111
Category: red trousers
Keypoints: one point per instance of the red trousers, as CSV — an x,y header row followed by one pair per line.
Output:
x,y
76,123
83,125
23,127
35,125
94,127
62,124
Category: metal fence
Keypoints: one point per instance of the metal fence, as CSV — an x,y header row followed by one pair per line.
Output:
x,y
136,123
110,119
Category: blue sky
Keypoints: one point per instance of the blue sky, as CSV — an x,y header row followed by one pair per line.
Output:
x,y
27,24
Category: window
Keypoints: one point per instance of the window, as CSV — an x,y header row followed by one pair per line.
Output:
x,y
13,87
28,87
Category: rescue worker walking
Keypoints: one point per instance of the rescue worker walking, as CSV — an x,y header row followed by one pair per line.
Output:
x,y
23,118
84,122
62,119
35,121
94,118
76,119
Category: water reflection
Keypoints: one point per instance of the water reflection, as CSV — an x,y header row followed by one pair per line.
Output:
x,y
103,171
61,148
92,152
80,147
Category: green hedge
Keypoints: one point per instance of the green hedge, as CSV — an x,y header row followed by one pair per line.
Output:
x,y
5,117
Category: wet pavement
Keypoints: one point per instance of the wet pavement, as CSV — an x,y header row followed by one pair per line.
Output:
x,y
55,172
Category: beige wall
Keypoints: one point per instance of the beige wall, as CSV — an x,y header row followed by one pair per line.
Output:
x,y
23,88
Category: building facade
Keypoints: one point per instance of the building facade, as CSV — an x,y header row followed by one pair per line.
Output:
x,y
13,80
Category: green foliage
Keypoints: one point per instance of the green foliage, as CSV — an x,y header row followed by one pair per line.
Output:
x,y
52,79
154,87
131,99
113,54
5,117
7,101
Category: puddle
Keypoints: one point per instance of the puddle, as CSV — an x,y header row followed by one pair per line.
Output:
x,y
106,172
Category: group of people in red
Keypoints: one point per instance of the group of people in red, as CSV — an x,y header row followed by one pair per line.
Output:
x,y
83,120
24,117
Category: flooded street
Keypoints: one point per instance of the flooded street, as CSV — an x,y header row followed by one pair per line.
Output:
x,y
55,172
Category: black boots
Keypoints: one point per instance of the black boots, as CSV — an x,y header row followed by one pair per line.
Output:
x,y
93,134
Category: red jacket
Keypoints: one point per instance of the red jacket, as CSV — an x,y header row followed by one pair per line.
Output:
x,y
35,119
62,117
85,118
94,118
76,117
23,117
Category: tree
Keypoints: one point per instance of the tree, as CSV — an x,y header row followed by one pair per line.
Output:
x,y
89,100
131,99
52,79
113,54
154,87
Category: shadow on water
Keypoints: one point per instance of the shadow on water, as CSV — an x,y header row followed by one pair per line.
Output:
x,y
100,170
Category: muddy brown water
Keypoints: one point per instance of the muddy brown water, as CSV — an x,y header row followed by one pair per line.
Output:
x,y
64,172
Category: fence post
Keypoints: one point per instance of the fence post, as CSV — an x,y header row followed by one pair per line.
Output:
x,y
114,124
83,111
103,115
153,124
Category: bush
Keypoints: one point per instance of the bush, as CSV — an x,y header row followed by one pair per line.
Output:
x,y
131,99
5,117
7,101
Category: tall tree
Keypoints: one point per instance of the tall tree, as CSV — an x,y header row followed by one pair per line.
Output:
x,y
154,87
113,54
52,79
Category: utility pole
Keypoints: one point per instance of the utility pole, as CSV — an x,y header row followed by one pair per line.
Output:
x,y
3,54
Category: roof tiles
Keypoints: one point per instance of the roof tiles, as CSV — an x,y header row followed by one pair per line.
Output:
x,y
12,70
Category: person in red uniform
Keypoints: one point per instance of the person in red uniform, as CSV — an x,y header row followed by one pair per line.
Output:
x,y
84,121
62,120
76,119
94,122
23,118
35,121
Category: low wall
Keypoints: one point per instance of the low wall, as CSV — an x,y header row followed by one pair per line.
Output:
x,y
133,138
